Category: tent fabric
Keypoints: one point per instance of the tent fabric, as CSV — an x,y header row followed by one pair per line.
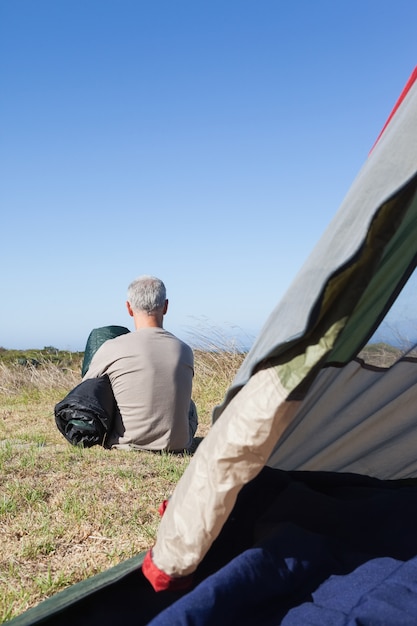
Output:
x,y
389,277
360,264
403,94
229,457
358,418
308,531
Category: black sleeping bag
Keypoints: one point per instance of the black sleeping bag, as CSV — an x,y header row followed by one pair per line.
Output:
x,y
85,416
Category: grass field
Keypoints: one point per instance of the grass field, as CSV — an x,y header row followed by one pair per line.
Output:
x,y
68,513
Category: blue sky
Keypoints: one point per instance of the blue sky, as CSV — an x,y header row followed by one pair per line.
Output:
x,y
207,142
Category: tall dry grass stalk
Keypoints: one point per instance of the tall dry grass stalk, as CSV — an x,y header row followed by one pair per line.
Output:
x,y
68,513
15,378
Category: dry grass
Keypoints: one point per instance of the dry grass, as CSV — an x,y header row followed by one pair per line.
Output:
x,y
68,513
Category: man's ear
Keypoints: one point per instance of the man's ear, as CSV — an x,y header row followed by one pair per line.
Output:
x,y
129,309
165,309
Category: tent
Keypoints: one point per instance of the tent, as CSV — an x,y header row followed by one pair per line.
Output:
x,y
300,505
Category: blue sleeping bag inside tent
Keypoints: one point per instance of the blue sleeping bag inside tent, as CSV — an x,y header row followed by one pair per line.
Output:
x,y
332,549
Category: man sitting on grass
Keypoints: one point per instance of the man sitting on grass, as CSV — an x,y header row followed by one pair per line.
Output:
x,y
151,373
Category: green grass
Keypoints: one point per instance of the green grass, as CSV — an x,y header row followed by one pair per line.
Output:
x,y
67,513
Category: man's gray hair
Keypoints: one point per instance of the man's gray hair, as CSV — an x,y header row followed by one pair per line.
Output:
x,y
146,293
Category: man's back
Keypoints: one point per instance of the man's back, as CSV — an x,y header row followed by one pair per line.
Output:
x,y
151,373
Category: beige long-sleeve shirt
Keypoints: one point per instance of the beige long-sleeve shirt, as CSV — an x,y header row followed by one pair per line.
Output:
x,y
151,373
